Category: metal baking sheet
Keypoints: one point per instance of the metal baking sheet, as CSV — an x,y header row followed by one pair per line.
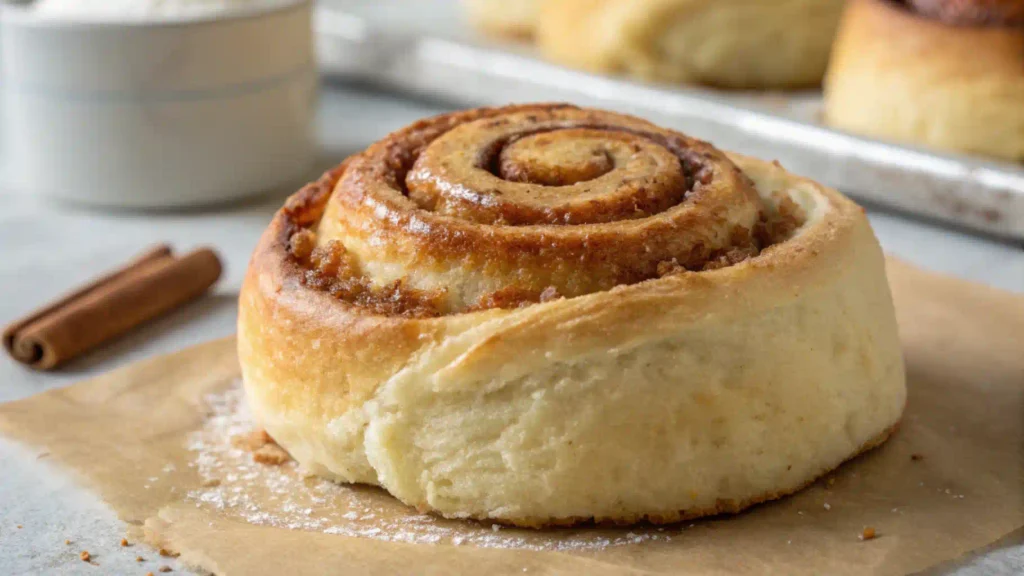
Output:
x,y
972,193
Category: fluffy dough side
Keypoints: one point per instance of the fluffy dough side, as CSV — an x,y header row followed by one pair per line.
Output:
x,y
683,396
727,43
903,77
310,366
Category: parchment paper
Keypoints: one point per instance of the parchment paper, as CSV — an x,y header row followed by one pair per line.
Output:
x,y
126,434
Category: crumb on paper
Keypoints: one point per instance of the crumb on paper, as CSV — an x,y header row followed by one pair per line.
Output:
x,y
164,568
85,556
868,534
271,454
124,541
67,542
149,574
252,441
140,559
168,554
917,457
19,526
264,449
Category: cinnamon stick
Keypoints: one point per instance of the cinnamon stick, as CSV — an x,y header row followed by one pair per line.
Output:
x,y
149,285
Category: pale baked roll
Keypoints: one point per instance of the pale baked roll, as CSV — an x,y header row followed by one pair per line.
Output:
x,y
544,314
947,74
725,43
516,18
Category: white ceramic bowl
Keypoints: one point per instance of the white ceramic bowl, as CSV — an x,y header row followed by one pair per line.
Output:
x,y
157,113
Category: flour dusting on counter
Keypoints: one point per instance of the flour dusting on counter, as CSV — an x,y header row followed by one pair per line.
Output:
x,y
283,496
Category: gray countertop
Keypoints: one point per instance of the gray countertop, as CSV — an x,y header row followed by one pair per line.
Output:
x,y
47,248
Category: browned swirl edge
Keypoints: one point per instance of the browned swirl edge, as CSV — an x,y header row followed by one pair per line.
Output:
x,y
517,239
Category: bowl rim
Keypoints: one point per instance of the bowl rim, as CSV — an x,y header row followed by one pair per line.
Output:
x,y
26,16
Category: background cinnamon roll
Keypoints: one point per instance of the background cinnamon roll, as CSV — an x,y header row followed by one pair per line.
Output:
x,y
544,315
948,74
725,43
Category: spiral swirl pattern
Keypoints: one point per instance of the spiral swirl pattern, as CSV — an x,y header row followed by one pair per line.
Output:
x,y
544,315
503,207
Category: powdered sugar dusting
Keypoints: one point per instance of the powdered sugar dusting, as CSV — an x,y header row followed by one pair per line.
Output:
x,y
285,497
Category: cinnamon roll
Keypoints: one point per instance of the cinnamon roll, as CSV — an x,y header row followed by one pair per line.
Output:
x,y
946,74
544,315
725,43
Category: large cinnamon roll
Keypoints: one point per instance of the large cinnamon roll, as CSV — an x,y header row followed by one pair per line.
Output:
x,y
726,43
545,314
947,74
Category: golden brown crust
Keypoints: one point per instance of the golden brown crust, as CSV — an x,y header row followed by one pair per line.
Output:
x,y
493,207
900,75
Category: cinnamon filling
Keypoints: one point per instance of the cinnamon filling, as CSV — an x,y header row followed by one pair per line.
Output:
x,y
500,208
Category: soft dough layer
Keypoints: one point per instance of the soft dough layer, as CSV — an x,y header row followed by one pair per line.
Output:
x,y
727,43
911,77
690,394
